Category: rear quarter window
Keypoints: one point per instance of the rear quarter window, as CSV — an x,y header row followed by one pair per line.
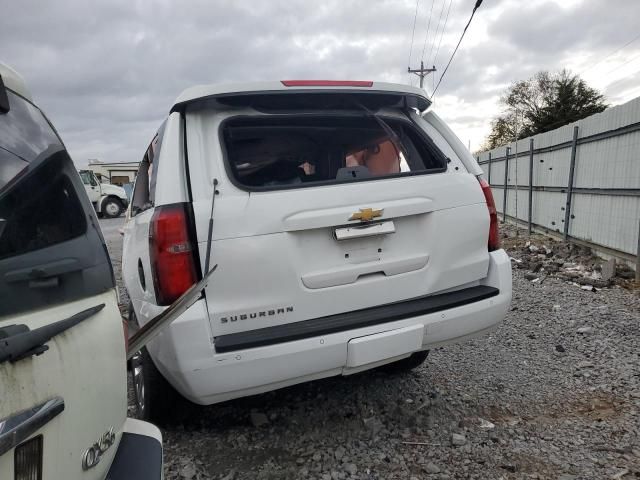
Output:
x,y
290,151
144,190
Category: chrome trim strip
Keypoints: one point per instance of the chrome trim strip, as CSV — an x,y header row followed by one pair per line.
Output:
x,y
20,426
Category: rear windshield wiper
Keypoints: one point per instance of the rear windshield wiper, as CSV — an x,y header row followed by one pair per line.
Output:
x,y
393,136
18,342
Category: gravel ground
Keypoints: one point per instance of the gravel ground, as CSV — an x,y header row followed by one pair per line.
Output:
x,y
553,393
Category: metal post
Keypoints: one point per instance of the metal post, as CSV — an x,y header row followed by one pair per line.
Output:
x,y
530,183
516,178
572,167
504,195
638,255
489,175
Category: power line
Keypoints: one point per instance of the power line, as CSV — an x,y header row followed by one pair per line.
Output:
x,y
435,35
478,3
615,51
623,64
424,46
435,57
413,32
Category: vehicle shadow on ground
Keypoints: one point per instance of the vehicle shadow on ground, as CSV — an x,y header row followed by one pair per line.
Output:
x,y
345,397
291,425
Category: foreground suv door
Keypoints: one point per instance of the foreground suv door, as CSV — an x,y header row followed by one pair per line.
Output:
x,y
62,371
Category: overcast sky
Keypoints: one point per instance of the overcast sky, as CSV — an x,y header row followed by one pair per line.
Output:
x,y
106,73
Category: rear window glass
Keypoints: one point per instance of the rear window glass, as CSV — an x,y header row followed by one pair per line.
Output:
x,y
293,151
41,210
49,252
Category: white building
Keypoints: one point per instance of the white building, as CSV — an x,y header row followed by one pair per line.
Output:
x,y
117,173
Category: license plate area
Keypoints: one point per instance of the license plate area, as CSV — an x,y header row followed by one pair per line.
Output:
x,y
384,345
365,230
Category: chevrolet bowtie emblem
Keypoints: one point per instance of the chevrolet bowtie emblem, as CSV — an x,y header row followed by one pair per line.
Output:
x,y
366,214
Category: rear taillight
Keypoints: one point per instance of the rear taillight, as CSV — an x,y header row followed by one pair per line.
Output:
x,y
171,251
494,234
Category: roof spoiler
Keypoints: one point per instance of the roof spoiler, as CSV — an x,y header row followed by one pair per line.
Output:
x,y
288,99
4,99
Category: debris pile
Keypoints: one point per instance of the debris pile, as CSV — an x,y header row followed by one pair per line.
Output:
x,y
543,256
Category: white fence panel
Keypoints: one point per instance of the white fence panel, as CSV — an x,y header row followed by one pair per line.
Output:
x,y
605,196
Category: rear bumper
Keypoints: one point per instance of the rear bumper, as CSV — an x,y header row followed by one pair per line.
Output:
x,y
248,365
139,454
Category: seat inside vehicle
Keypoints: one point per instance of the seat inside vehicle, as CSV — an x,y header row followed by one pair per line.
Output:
x,y
289,151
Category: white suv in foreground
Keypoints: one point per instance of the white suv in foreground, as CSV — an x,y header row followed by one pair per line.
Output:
x,y
63,380
351,229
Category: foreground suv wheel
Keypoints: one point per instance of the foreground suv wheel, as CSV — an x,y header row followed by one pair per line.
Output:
x,y
111,208
412,361
155,399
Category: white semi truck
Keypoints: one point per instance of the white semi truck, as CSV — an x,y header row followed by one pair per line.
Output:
x,y
108,200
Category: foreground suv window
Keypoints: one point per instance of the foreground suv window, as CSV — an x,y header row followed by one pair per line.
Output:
x,y
51,249
41,210
289,151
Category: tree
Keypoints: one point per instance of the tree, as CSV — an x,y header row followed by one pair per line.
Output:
x,y
544,102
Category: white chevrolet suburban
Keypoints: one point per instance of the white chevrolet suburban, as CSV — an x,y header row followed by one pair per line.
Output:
x,y
63,381
351,229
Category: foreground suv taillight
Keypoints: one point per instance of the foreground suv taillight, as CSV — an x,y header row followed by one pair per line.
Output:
x,y
494,234
171,251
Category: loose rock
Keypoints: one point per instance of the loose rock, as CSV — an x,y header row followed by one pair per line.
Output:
x,y
351,468
259,419
431,468
458,439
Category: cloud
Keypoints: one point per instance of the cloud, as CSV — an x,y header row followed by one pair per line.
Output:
x,y
107,72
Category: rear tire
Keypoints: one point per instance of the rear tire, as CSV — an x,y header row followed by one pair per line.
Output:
x,y
406,364
155,400
111,207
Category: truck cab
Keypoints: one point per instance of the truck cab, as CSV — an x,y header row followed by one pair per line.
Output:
x,y
108,200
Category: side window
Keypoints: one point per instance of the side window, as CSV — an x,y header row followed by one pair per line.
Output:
x,y
154,153
86,177
145,187
140,200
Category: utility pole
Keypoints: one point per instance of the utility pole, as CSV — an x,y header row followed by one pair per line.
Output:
x,y
422,72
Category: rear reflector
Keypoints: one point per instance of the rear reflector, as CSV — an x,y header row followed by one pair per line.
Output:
x,y
27,460
172,258
494,234
327,83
